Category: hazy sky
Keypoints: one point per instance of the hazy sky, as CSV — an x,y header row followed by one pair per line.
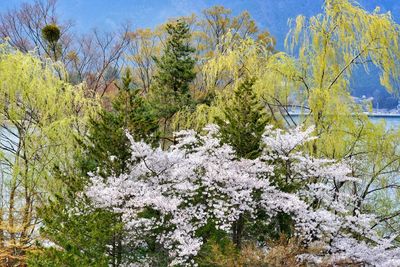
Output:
x,y
269,14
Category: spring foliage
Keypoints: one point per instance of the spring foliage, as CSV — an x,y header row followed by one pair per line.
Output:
x,y
241,191
174,195
40,116
315,76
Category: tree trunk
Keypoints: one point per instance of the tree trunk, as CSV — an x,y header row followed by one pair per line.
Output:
x,y
237,232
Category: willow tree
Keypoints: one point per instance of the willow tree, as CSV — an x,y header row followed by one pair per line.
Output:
x,y
329,47
39,117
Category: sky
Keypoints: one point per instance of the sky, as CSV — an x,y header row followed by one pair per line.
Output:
x,y
269,14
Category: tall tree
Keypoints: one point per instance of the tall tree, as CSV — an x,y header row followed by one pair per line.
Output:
x,y
174,74
330,47
241,126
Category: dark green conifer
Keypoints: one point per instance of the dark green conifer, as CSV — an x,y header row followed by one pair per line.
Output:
x,y
242,127
244,121
175,71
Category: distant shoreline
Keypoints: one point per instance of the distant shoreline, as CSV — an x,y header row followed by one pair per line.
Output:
x,y
374,115
383,115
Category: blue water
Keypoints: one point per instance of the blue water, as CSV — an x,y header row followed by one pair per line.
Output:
x,y
392,121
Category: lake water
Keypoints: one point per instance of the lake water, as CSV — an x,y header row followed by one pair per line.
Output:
x,y
392,121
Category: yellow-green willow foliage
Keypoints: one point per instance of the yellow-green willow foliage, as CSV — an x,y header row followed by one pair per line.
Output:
x,y
40,116
328,47
331,44
225,71
234,60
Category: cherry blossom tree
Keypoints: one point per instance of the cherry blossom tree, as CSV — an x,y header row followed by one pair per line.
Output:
x,y
171,196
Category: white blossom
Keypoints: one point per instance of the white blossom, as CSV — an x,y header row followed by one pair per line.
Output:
x,y
199,180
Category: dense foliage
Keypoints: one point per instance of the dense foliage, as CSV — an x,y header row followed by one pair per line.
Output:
x,y
189,155
175,72
91,236
178,196
40,117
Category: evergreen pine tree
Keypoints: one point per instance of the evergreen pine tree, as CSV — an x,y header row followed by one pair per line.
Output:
x,y
241,127
175,71
244,121
80,234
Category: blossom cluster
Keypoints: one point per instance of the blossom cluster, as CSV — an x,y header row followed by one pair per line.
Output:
x,y
171,194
